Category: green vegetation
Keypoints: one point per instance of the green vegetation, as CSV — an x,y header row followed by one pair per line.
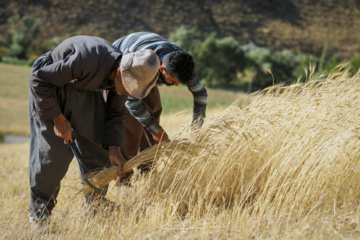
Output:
x,y
226,63
217,60
220,62
176,99
23,30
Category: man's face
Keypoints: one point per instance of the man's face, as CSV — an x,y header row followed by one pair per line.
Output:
x,y
169,80
116,75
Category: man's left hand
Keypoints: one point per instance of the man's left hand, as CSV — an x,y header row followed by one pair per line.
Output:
x,y
161,136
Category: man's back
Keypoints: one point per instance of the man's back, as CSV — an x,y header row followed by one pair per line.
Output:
x,y
146,40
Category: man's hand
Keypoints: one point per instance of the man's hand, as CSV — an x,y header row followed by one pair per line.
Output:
x,y
161,136
116,158
62,128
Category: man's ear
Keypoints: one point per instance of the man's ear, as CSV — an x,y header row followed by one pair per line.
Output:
x,y
118,71
112,75
162,69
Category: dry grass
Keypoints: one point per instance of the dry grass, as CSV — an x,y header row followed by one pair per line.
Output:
x,y
285,167
14,99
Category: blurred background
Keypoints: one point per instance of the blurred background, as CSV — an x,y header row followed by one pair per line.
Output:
x,y
234,42
238,45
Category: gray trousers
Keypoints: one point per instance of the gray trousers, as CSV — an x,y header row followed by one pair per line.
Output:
x,y
50,157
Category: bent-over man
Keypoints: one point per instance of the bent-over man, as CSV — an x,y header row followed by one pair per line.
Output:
x,y
177,66
66,104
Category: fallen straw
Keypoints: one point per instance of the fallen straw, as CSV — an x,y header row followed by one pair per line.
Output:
x,y
144,159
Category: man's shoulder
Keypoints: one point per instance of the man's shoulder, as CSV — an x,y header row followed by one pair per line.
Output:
x,y
86,46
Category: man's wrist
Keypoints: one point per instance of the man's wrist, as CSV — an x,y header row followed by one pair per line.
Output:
x,y
154,128
58,118
114,148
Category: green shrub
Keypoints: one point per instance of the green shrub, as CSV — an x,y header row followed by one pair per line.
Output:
x,y
2,137
354,65
187,39
283,65
257,57
219,60
301,71
23,30
258,61
331,63
16,61
48,45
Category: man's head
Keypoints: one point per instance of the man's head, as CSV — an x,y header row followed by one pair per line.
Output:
x,y
137,73
177,67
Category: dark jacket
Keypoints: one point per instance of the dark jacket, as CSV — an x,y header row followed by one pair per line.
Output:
x,y
83,62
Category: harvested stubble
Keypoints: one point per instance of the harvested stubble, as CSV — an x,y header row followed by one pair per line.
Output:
x,y
293,152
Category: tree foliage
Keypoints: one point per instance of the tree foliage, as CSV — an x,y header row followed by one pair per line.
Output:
x,y
226,63
217,60
23,30
188,39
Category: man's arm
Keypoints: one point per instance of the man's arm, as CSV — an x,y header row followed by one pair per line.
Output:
x,y
139,112
115,116
200,102
43,83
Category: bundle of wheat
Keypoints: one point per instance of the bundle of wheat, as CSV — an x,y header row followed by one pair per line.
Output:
x,y
142,161
294,148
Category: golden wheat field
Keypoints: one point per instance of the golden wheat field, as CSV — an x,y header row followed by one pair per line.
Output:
x,y
286,166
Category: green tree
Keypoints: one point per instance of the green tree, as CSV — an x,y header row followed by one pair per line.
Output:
x,y
283,65
304,62
219,60
23,30
187,39
48,45
258,61
331,63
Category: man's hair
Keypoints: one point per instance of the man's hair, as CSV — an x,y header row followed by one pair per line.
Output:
x,y
181,65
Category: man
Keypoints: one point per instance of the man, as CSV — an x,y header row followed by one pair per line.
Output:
x,y
177,66
66,105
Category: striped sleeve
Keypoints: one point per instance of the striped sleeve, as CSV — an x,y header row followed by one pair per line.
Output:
x,y
140,113
161,46
200,102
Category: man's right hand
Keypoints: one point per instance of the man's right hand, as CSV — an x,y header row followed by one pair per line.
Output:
x,y
116,158
161,136
62,128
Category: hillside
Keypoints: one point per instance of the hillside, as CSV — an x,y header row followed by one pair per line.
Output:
x,y
296,25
